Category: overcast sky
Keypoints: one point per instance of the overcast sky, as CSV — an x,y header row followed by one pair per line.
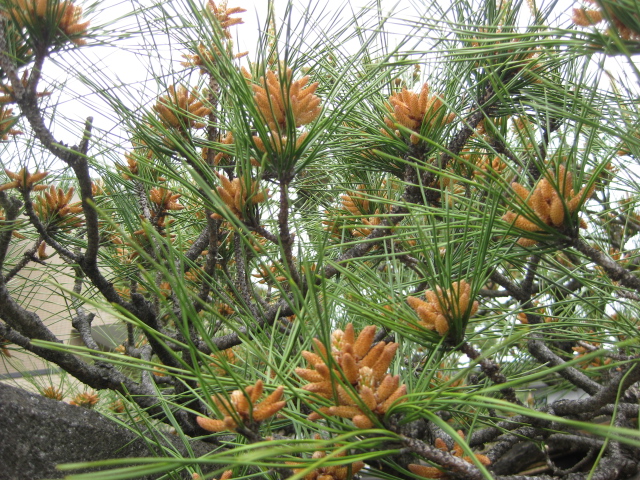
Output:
x,y
125,63
122,62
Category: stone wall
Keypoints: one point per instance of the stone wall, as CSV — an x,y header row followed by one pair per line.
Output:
x,y
39,433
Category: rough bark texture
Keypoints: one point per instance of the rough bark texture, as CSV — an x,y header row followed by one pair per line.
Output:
x,y
39,433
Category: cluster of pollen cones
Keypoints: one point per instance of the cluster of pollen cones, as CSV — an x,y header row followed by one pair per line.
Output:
x,y
243,407
357,379
443,306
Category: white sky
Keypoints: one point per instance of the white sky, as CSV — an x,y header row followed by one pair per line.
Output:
x,y
129,68
123,63
118,62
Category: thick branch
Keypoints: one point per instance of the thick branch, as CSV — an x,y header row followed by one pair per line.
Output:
x,y
608,394
82,323
23,325
614,271
544,355
80,167
11,207
199,245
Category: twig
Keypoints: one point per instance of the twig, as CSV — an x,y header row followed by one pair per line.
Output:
x,y
242,283
485,292
44,233
286,239
505,442
145,353
553,125
514,290
491,370
500,147
456,465
144,312
211,261
263,232
457,143
82,323
26,258
198,246
82,320
527,283
536,346
28,101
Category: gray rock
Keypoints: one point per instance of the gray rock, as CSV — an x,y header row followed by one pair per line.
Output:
x,y
37,433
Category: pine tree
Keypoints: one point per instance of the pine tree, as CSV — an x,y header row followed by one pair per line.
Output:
x,y
393,245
